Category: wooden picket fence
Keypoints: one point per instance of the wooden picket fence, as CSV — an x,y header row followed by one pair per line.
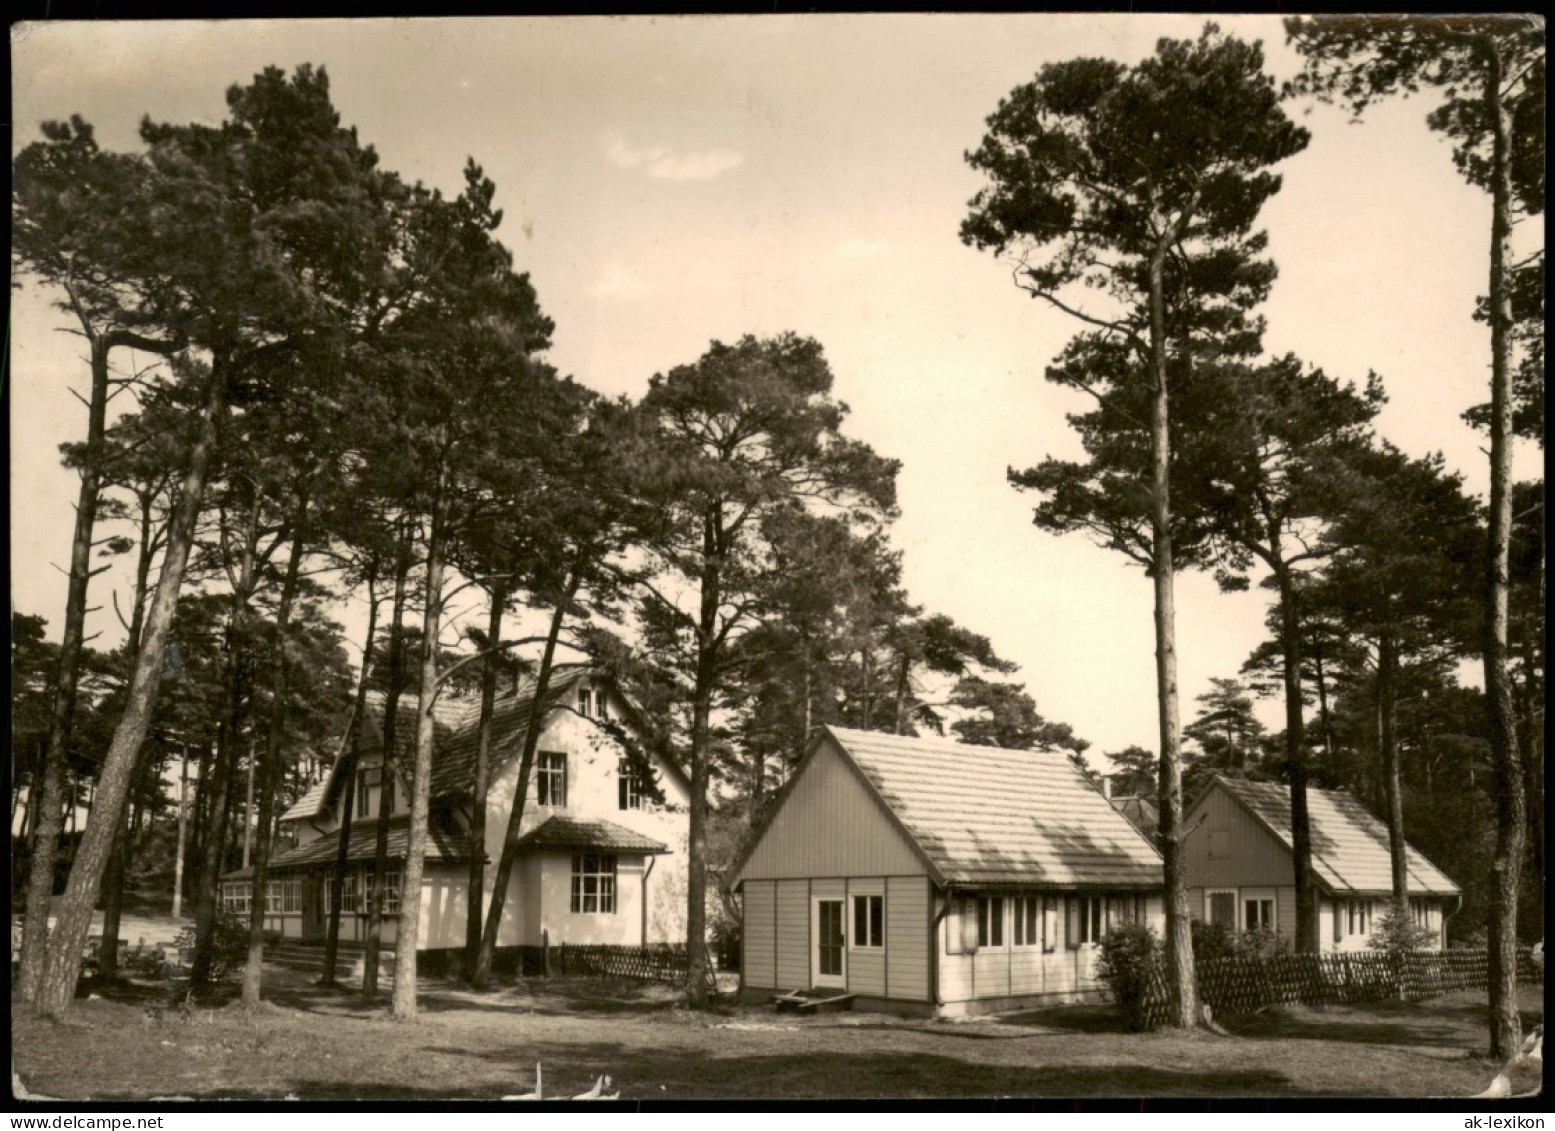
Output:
x,y
665,962
1239,985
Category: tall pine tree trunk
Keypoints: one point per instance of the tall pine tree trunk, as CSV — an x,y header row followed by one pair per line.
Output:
x,y
1387,745
474,919
57,988
1180,977
698,964
348,755
270,764
481,976
403,1004
1308,926
49,811
391,721
1511,815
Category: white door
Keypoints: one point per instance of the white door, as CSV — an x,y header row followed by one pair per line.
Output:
x,y
829,951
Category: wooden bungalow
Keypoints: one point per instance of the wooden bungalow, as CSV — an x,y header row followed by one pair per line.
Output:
x,y
1241,871
602,859
926,876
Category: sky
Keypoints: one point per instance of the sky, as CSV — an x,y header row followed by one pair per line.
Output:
x,y
670,181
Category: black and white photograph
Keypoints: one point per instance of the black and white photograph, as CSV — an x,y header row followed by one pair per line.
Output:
x,y
777,559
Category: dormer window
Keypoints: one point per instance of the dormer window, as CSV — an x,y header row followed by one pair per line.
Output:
x,y
585,702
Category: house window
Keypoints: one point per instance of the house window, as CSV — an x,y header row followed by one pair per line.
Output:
x,y
291,896
1024,910
990,922
391,893
585,702
273,898
1085,920
551,779
1419,913
348,896
601,711
630,791
1258,914
593,884
1220,907
1049,923
868,921
1220,844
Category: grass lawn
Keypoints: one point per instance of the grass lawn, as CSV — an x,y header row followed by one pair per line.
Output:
x,y
318,1045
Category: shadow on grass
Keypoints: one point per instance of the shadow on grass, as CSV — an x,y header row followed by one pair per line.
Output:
x,y
666,1073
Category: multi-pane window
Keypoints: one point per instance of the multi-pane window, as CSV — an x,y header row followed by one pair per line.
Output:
x,y
593,884
1028,927
585,702
551,779
291,896
1419,914
990,922
868,921
273,898
235,897
630,792
391,893
348,897
1258,913
1085,919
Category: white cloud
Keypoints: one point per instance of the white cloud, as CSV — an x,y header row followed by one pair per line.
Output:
x,y
857,248
619,281
664,164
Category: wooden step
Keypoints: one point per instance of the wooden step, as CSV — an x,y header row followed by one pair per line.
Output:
x,y
814,1002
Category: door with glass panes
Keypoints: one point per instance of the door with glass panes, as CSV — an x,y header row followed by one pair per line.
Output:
x,y
829,958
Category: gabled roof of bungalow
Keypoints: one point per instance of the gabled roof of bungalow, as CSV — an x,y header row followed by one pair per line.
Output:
x,y
1350,851
983,816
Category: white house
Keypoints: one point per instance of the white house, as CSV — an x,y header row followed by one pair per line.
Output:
x,y
602,861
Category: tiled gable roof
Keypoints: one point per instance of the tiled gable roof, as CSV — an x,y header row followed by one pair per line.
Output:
x,y
1349,846
570,832
444,844
311,803
985,816
453,763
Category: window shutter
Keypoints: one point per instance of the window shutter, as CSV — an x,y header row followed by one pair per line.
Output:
x,y
953,927
1073,909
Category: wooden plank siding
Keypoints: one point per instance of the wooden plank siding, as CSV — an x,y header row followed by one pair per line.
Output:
x,y
758,963
830,825
793,934
1246,854
906,937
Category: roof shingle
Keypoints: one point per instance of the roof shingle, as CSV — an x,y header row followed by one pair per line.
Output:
x,y
1350,850
986,816
570,832
444,845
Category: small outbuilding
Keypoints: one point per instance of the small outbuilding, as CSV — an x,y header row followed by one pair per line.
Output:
x,y
927,876
1239,856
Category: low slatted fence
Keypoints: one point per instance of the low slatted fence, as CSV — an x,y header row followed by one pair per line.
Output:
x,y
1239,985
663,963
